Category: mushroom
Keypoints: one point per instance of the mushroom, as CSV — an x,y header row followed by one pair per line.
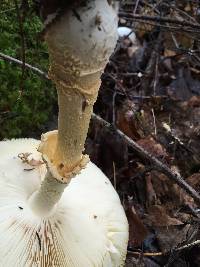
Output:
x,y
56,207
126,32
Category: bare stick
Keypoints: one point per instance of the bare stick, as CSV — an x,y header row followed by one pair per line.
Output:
x,y
176,177
136,6
7,10
146,254
153,254
159,19
23,53
28,66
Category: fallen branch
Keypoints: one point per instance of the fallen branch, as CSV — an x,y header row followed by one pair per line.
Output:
x,y
28,66
176,177
146,254
23,53
160,19
154,254
7,10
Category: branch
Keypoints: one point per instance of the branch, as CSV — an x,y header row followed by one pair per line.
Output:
x,y
28,66
159,19
7,10
153,254
154,161
23,53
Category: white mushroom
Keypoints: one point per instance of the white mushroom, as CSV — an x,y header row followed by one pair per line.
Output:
x,y
56,207
126,32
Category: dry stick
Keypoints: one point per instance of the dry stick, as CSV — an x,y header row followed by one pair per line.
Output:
x,y
8,10
136,6
154,122
153,254
28,66
23,54
159,19
180,11
169,28
114,176
154,161
146,254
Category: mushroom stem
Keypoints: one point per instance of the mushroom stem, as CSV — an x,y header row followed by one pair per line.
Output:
x,y
43,201
75,109
80,44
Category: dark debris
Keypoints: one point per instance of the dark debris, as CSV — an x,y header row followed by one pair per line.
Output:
x,y
151,91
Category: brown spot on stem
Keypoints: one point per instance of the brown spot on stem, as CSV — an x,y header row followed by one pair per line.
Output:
x,y
84,104
61,165
98,20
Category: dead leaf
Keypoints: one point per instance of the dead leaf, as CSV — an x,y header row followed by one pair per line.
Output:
x,y
127,120
169,53
151,194
154,148
194,180
159,217
174,236
137,230
140,262
194,102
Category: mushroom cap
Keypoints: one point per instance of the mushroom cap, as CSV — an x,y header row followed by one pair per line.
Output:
x,y
88,227
81,43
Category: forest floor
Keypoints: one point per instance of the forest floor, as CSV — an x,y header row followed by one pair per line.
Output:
x,y
151,92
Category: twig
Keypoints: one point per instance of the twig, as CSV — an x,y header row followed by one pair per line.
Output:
x,y
195,243
170,28
176,177
152,65
7,10
153,254
154,122
156,75
114,176
180,11
159,19
147,254
113,108
23,54
151,6
136,6
28,66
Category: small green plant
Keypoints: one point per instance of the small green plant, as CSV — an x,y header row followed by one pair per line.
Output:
x,y
25,106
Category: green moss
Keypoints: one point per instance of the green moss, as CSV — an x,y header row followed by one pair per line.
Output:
x,y
23,113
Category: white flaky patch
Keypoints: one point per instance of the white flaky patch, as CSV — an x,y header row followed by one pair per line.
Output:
x,y
88,228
